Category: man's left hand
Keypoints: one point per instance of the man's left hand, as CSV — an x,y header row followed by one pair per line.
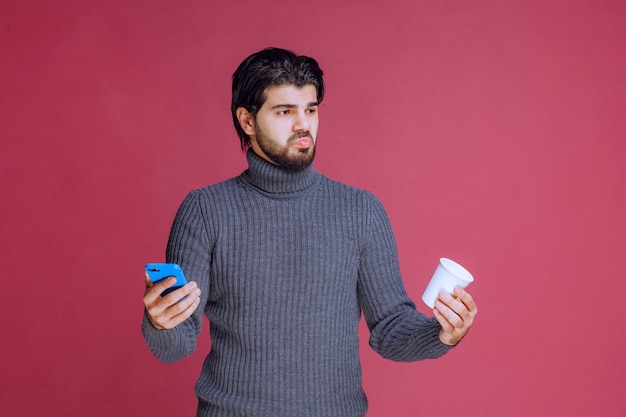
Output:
x,y
455,312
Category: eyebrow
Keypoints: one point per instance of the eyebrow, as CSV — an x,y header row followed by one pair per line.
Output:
x,y
293,106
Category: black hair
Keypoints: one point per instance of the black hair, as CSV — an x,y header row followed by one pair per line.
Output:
x,y
268,68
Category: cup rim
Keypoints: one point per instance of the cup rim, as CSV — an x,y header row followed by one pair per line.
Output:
x,y
467,276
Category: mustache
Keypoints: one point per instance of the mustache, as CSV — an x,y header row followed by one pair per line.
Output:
x,y
300,135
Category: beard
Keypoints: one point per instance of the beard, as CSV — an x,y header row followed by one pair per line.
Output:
x,y
284,156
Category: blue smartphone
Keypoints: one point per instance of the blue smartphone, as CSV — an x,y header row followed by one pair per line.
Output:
x,y
157,272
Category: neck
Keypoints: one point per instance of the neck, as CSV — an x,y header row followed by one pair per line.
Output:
x,y
274,179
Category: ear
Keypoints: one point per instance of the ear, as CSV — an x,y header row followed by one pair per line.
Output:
x,y
246,120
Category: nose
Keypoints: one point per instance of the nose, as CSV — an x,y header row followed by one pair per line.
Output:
x,y
301,123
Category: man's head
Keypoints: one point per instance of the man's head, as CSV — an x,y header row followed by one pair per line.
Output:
x,y
295,85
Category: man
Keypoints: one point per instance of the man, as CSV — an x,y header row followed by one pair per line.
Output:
x,y
283,261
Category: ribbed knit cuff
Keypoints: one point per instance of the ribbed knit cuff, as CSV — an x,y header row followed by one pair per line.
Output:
x,y
166,345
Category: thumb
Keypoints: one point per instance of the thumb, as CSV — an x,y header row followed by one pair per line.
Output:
x,y
148,282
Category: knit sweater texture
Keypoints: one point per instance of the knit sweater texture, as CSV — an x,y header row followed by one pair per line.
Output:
x,y
287,263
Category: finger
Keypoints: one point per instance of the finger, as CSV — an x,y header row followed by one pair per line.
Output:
x,y
179,300
155,290
174,308
181,310
167,312
176,320
154,303
454,303
443,321
447,306
449,334
467,299
178,294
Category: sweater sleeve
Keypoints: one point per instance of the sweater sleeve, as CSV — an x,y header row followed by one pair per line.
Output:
x,y
189,246
397,330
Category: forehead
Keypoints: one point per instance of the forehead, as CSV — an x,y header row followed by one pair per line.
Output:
x,y
290,95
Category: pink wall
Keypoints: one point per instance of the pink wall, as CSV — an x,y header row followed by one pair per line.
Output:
x,y
492,131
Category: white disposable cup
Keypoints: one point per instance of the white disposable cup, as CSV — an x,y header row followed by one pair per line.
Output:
x,y
448,275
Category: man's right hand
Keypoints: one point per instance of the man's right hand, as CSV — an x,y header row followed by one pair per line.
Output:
x,y
168,312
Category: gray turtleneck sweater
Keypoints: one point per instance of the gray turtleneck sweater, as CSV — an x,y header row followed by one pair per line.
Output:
x,y
287,262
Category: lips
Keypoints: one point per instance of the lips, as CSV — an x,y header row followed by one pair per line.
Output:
x,y
301,140
303,143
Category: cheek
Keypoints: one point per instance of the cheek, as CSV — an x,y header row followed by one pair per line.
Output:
x,y
314,126
277,133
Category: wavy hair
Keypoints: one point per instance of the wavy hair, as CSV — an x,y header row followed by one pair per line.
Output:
x,y
268,68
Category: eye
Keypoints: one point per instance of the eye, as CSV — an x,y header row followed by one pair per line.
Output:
x,y
311,110
283,112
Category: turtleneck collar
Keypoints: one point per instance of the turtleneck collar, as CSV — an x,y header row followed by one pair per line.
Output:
x,y
273,179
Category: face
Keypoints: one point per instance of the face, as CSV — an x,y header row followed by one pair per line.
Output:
x,y
284,131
